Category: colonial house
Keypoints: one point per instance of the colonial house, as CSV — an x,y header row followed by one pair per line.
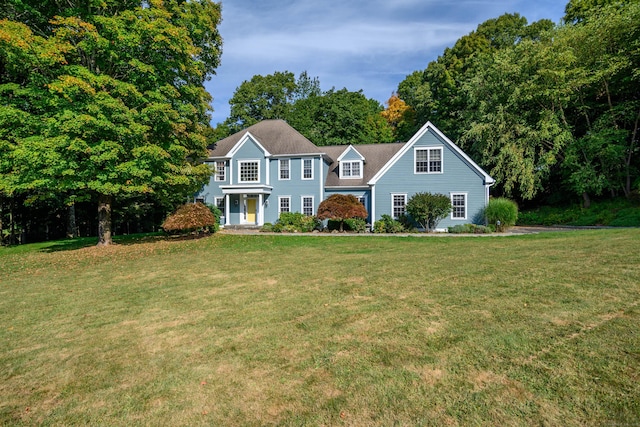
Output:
x,y
270,168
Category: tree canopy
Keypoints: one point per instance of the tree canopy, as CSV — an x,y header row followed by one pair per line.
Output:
x,y
105,98
326,118
544,109
340,207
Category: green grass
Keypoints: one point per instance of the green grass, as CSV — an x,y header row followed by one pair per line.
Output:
x,y
305,330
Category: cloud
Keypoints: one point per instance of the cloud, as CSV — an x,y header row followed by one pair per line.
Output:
x,y
358,44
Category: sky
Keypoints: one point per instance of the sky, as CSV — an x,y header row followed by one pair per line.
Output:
x,y
368,45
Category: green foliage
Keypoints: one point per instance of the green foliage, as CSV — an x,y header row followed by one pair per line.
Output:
x,y
542,108
428,209
106,99
469,229
386,224
356,225
296,222
217,213
616,213
190,217
501,213
340,117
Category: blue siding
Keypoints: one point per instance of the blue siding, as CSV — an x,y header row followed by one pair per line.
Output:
x,y
295,187
249,151
457,177
351,154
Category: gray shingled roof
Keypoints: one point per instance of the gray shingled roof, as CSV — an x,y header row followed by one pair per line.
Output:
x,y
375,157
276,136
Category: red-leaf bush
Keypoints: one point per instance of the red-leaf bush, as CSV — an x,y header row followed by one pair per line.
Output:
x,y
190,217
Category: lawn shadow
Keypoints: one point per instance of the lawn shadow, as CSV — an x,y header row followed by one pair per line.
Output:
x,y
125,240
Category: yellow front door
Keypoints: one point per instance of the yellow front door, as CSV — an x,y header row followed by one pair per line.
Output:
x,y
251,211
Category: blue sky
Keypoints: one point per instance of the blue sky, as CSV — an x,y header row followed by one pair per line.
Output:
x,y
358,44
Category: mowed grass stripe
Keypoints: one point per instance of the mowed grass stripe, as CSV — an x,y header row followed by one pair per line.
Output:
x,y
284,330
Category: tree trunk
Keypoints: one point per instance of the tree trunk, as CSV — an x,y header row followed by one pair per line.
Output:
x,y
586,200
72,230
104,220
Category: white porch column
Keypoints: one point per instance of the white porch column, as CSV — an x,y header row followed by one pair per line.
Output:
x,y
260,209
226,209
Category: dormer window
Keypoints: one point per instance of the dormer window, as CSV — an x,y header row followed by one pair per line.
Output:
x,y
351,169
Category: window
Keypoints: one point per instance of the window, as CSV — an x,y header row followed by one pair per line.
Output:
x,y
307,168
284,204
250,171
428,160
399,202
307,205
221,171
351,169
362,200
220,203
284,169
459,206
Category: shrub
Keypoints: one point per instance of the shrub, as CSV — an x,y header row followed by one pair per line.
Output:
x,y
428,209
267,227
386,224
190,217
501,213
217,213
469,229
296,222
357,225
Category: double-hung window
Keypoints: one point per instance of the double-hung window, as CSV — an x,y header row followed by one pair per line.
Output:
x,y
428,160
399,203
220,203
221,171
284,169
307,168
249,171
458,206
284,204
307,205
351,169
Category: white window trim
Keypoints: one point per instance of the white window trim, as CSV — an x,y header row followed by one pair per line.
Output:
x,y
224,171
302,170
428,150
280,178
351,176
466,205
240,163
313,210
393,195
280,205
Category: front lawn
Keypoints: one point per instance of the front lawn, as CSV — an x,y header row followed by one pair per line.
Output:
x,y
323,330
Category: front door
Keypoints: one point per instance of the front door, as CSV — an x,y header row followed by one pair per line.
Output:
x,y
251,210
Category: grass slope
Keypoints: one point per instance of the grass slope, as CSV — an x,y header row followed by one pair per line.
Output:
x,y
292,330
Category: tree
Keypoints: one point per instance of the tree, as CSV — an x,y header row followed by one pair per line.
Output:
x,y
261,98
428,209
340,207
106,98
340,117
400,117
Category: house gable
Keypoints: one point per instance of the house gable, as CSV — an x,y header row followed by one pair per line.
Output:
x,y
430,137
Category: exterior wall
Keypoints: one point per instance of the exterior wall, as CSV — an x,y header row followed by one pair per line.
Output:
x,y
295,187
456,177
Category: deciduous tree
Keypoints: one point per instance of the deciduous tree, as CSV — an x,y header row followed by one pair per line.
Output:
x,y
106,98
340,207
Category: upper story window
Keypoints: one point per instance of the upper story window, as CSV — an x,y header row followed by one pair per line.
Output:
x,y
428,160
351,169
284,169
249,171
221,171
307,168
